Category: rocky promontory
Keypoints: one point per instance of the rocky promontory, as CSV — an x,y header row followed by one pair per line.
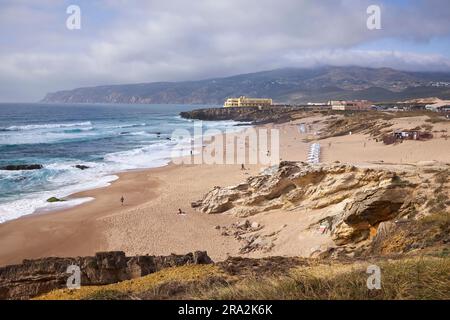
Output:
x,y
275,114
17,167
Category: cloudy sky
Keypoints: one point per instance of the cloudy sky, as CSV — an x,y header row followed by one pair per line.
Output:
x,y
129,41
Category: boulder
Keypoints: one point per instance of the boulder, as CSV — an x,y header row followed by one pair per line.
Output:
x,y
255,225
54,199
219,200
81,167
16,167
367,210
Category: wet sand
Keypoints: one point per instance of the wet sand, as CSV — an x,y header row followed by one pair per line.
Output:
x,y
148,222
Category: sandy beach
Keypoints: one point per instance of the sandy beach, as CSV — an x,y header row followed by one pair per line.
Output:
x,y
148,222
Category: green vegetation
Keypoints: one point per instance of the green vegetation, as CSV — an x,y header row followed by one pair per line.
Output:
x,y
424,277
419,278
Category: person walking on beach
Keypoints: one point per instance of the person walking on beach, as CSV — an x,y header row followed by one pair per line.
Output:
x,y
122,199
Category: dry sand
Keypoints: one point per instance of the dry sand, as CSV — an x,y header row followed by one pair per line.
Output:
x,y
148,223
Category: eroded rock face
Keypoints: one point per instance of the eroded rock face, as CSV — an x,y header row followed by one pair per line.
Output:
x,y
357,199
35,277
367,210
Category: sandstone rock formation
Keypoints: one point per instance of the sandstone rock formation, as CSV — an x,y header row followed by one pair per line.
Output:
x,y
356,200
35,277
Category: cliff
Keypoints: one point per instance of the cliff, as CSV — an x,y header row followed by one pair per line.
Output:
x,y
274,278
35,277
276,114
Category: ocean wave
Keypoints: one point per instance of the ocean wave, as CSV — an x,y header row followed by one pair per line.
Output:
x,y
155,155
37,201
125,126
46,126
138,133
78,130
61,178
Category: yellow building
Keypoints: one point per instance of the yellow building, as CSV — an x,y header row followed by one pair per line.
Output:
x,y
247,102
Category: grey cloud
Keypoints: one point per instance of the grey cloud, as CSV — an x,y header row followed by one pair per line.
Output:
x,y
180,40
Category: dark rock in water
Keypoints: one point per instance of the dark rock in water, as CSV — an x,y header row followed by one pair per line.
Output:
x,y
54,199
14,167
36,277
81,167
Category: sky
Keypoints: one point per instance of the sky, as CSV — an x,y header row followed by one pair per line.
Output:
x,y
133,41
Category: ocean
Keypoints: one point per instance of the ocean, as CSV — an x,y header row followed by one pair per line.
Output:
x,y
107,139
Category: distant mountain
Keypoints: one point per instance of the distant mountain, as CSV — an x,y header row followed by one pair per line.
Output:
x,y
288,85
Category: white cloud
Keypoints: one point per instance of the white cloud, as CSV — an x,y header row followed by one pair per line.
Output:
x,y
371,58
139,41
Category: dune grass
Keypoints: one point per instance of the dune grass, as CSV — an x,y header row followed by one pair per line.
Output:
x,y
133,289
418,278
424,277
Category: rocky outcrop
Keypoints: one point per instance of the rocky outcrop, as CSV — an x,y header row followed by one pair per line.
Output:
x,y
244,231
16,167
367,210
35,277
352,202
81,167
276,114
55,199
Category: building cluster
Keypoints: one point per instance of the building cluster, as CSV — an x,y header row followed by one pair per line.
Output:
x,y
400,135
354,105
439,106
432,104
248,102
440,84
